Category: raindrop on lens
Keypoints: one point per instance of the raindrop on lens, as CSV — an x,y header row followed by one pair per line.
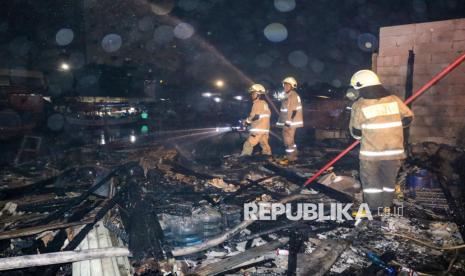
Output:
x,y
183,31
275,32
284,5
111,43
367,42
64,37
161,7
298,59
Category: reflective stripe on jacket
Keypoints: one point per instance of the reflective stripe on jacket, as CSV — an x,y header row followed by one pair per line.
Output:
x,y
380,123
291,111
259,117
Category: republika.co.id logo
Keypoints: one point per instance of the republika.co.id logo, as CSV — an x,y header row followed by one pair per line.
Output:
x,y
313,211
309,211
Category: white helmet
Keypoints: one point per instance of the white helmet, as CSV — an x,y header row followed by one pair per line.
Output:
x,y
291,81
257,88
364,78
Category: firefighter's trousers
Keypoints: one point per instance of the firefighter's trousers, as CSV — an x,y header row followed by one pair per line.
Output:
x,y
255,139
378,182
288,139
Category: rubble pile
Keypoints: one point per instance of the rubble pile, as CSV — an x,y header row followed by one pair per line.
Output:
x,y
159,206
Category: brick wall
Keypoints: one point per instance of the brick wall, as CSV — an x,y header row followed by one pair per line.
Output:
x,y
440,112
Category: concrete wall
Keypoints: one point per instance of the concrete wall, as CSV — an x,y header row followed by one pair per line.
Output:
x,y
440,112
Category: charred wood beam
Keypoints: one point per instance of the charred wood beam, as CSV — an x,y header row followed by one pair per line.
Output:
x,y
457,208
268,231
144,230
77,214
293,177
145,235
61,257
252,183
41,228
38,187
295,243
188,171
43,206
84,231
57,243
294,225
445,162
241,259
77,200
34,187
321,259
18,218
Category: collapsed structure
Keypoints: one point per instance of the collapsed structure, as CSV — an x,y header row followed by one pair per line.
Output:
x,y
177,216
149,208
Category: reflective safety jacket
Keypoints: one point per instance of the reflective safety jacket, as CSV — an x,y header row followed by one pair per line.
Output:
x,y
291,111
259,117
379,124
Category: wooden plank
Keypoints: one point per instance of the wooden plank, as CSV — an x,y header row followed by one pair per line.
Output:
x,y
84,265
241,259
41,228
25,217
321,259
60,257
109,266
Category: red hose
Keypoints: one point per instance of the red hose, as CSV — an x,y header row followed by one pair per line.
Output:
x,y
417,94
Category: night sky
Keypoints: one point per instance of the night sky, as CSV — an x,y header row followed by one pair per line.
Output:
x,y
322,40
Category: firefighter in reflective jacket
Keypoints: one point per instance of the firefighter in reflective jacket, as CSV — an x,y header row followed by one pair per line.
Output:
x,y
377,120
290,117
259,121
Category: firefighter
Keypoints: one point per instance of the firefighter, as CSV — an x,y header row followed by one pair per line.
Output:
x,y
290,118
377,120
259,121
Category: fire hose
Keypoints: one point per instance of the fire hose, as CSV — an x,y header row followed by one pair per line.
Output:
x,y
415,95
229,234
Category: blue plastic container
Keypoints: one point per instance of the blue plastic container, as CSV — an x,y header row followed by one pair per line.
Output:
x,y
421,179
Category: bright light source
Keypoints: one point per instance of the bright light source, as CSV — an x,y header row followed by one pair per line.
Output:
x,y
64,66
102,139
131,110
144,129
132,138
144,115
323,97
207,94
219,83
161,81
217,99
239,98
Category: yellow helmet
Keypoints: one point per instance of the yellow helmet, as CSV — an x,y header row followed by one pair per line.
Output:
x,y
364,78
291,81
257,88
